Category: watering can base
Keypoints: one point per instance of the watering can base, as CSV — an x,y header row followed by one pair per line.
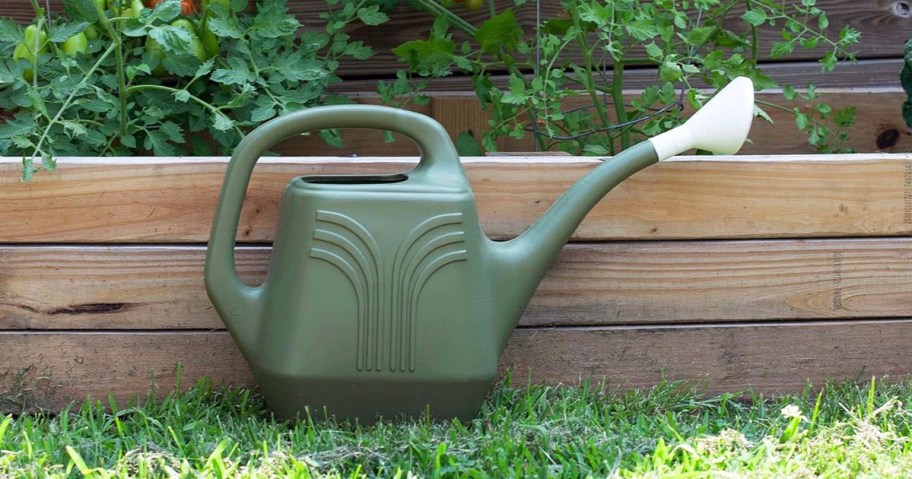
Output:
x,y
370,400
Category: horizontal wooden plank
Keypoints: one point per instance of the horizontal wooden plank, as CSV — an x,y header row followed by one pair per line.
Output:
x,y
104,200
768,358
862,75
136,287
879,125
884,27
48,370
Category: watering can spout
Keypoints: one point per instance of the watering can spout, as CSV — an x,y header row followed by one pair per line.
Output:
x,y
721,126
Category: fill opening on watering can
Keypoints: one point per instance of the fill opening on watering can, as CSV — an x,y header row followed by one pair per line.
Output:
x,y
354,179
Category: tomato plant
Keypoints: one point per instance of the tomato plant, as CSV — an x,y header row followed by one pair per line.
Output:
x,y
586,49
146,84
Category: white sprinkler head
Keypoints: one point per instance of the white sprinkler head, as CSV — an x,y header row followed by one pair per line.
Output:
x,y
721,126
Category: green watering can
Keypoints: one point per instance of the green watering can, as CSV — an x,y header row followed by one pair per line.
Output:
x,y
384,297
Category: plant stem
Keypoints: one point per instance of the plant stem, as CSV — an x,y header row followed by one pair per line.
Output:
x,y
617,95
589,82
755,43
455,20
121,74
70,98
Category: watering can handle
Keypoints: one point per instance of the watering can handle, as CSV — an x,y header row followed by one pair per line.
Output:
x,y
439,163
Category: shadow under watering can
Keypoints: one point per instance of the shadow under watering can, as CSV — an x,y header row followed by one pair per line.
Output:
x,y
384,297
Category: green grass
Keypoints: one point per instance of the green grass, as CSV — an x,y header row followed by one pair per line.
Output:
x,y
848,430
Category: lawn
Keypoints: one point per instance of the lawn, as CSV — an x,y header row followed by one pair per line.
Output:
x,y
672,431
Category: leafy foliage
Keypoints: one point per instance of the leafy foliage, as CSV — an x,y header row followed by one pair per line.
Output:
x,y
116,100
587,48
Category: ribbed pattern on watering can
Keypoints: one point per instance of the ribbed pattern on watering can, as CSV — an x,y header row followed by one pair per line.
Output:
x,y
387,329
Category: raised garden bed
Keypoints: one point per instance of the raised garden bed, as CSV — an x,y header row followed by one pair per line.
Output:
x,y
752,272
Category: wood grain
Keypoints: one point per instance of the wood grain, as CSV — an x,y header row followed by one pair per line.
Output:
x,y
884,27
161,287
105,200
865,75
48,370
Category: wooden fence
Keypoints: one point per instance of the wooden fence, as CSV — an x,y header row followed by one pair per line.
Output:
x,y
738,272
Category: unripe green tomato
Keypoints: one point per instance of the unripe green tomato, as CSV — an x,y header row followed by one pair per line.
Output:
x,y
473,5
76,44
128,8
209,39
34,45
156,49
23,53
91,33
199,51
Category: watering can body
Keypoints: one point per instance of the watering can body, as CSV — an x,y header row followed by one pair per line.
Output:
x,y
383,296
374,306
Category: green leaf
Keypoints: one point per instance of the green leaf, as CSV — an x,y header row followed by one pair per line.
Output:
x,y
135,69
358,50
372,15
74,127
172,131
466,145
222,122
272,21
596,150
789,92
670,71
81,10
28,171
157,141
60,33
426,54
905,78
699,36
262,113
166,11
128,140
296,69
6,75
181,64
907,112
755,17
781,49
182,96
760,112
238,73
48,163
172,39
498,33
643,29
225,26
205,68
332,138
801,120
3,427
654,52
78,461
822,21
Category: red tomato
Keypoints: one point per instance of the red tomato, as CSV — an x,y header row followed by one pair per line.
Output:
x,y
187,6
